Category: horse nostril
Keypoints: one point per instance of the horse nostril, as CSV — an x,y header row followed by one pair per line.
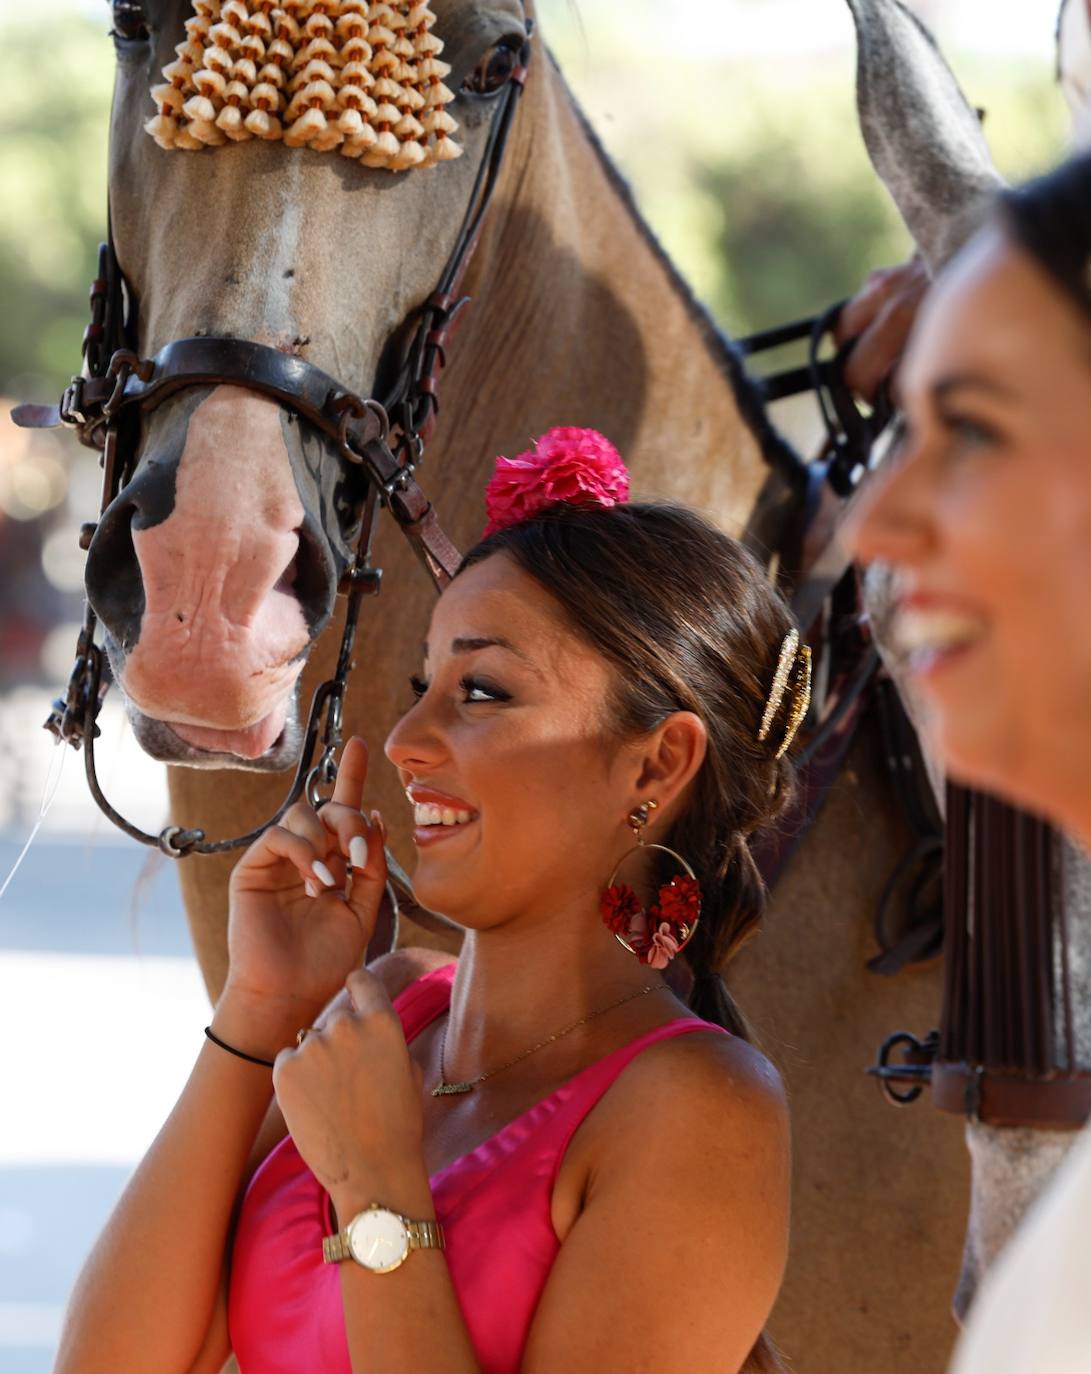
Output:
x,y
287,579
112,578
311,577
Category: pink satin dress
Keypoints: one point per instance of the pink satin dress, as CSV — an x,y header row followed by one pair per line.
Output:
x,y
284,1305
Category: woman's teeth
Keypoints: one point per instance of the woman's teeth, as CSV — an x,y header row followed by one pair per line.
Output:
x,y
426,814
930,632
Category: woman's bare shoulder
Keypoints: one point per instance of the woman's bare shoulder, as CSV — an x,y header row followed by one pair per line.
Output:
x,y
711,1068
693,1137
714,1088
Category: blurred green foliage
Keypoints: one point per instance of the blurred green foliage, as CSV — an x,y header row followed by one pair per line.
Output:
x,y
798,216
55,82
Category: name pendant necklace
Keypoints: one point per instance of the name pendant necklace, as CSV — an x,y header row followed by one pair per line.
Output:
x,y
445,1089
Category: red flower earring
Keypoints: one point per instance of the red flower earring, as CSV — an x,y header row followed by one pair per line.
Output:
x,y
656,935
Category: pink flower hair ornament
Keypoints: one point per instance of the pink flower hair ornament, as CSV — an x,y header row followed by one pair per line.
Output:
x,y
577,466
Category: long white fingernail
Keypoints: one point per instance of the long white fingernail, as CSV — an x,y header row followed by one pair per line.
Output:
x,y
309,888
358,851
322,873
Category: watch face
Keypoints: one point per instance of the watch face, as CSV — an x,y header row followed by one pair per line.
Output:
x,y
378,1240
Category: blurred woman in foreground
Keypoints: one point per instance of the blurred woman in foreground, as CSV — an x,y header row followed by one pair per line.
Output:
x,y
986,513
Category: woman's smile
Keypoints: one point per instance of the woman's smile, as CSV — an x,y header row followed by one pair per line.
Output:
x,y
437,815
433,831
935,632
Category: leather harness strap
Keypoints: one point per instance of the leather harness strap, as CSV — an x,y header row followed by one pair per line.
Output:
x,y
1007,1049
359,427
1059,1102
413,402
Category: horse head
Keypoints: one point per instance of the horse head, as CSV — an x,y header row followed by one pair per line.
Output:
x,y
215,568
1074,65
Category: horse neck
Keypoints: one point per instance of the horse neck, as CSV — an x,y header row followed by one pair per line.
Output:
x,y
575,298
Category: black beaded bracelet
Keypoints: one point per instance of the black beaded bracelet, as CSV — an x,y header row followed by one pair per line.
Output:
x,y
239,1054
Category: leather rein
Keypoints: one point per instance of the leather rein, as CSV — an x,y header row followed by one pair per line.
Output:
x,y
384,439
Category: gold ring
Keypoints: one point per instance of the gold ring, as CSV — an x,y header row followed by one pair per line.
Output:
x,y
302,1034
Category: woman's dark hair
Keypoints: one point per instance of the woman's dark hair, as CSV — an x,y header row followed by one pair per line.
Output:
x,y
1050,218
690,622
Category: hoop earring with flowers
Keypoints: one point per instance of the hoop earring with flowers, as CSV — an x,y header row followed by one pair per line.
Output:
x,y
662,930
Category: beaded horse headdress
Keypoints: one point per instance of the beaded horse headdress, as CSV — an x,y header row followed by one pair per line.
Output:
x,y
581,467
364,79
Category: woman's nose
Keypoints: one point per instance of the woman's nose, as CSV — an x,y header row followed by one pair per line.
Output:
x,y
415,741
892,520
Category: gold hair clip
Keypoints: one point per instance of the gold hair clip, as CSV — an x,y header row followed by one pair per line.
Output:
x,y
801,698
788,650
794,660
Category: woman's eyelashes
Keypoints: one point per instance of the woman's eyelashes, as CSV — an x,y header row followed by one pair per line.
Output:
x,y
482,689
967,432
474,690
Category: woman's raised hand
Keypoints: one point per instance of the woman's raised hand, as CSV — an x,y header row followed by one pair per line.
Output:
x,y
351,1098
303,902
879,319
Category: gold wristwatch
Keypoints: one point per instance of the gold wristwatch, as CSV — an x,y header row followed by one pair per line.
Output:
x,y
381,1240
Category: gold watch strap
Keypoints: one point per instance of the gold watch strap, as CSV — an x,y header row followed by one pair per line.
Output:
x,y
336,1248
423,1235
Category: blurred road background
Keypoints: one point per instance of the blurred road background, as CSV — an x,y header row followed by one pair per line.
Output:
x,y
102,1009
735,121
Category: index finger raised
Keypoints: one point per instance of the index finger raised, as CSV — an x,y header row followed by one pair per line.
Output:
x,y
348,787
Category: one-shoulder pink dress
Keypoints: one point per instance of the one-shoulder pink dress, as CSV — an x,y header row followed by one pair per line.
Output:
x,y
284,1305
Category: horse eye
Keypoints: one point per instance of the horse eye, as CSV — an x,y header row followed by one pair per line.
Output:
x,y
129,21
494,70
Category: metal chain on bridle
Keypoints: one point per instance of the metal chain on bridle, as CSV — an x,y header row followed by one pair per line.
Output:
x,y
384,439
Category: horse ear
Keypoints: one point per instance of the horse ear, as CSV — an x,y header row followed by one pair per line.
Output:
x,y
1074,66
922,135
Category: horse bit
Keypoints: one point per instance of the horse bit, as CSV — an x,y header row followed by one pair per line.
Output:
x,y
103,404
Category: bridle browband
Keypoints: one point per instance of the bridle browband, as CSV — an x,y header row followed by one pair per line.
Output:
x,y
384,439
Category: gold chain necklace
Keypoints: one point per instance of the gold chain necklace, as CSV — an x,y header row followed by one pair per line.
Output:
x,y
444,1089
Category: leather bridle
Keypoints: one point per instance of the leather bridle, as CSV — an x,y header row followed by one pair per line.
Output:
x,y
385,439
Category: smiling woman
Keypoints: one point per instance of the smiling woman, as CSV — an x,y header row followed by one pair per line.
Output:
x,y
986,515
987,509
559,1123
